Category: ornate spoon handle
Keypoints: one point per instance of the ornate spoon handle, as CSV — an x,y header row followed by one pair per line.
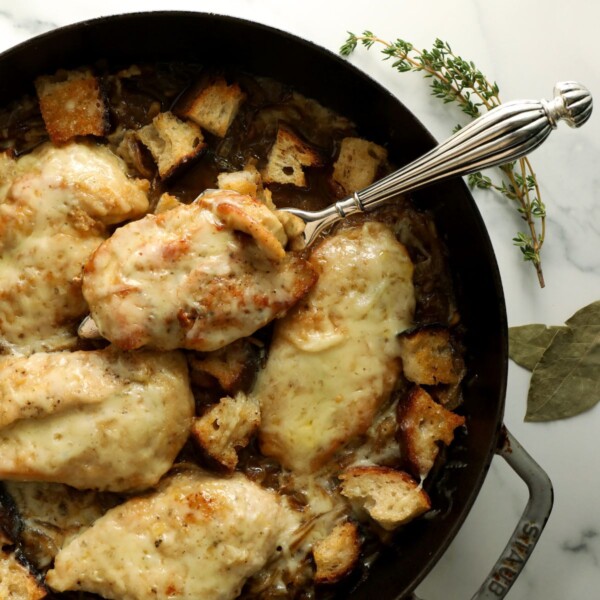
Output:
x,y
501,135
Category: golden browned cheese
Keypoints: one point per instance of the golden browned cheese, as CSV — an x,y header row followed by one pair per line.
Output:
x,y
54,206
198,536
102,420
197,276
334,359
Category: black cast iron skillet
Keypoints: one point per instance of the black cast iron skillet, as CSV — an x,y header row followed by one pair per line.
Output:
x,y
229,42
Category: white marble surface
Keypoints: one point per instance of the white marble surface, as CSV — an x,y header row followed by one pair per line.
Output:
x,y
526,46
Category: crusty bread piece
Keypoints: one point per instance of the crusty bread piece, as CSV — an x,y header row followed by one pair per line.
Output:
x,y
228,365
132,151
246,182
424,424
16,582
428,357
249,182
390,497
287,158
166,202
294,229
336,555
357,163
225,426
215,107
72,104
171,141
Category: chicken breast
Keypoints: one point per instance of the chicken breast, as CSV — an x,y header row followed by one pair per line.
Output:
x,y
334,359
198,276
100,420
198,536
55,204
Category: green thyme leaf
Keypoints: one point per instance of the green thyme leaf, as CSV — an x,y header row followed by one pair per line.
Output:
x,y
455,79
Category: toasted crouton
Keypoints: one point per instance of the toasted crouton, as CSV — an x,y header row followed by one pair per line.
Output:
x,y
288,157
428,357
72,104
225,426
171,142
336,555
246,182
423,425
390,497
357,164
229,365
166,202
215,107
132,151
294,229
16,582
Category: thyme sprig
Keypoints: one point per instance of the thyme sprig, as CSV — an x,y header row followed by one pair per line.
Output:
x,y
454,79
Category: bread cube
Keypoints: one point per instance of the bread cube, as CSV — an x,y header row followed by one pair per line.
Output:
x,y
228,365
225,426
215,107
428,357
166,202
336,554
72,104
357,164
288,157
390,497
171,142
424,425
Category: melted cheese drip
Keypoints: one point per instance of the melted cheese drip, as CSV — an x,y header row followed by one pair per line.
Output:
x,y
335,358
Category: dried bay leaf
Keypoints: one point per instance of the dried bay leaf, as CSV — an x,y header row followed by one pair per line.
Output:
x,y
566,379
527,343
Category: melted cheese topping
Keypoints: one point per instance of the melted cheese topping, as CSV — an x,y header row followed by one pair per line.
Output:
x,y
54,205
335,358
184,279
93,420
198,536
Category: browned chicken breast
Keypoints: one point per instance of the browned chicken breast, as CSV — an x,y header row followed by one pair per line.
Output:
x,y
198,276
101,420
198,536
54,206
334,358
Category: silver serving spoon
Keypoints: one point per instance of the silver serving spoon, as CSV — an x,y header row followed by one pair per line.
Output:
x,y
501,135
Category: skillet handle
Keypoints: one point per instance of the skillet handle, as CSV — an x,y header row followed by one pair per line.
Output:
x,y
529,528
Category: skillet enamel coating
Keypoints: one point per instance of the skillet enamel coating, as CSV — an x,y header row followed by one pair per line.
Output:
x,y
229,42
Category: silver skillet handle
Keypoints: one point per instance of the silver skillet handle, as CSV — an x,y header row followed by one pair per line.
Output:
x,y
530,526
501,135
